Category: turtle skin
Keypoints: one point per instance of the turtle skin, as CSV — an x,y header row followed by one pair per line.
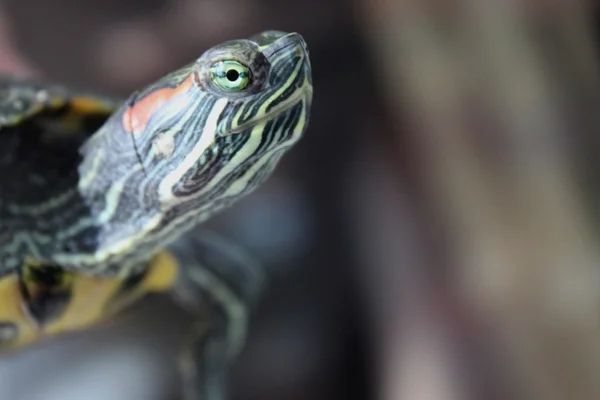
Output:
x,y
99,197
42,126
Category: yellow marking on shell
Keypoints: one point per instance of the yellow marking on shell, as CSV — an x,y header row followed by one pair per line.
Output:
x,y
89,105
90,298
56,102
78,108
207,137
91,174
42,101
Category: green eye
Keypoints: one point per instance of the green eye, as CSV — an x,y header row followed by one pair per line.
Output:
x,y
230,76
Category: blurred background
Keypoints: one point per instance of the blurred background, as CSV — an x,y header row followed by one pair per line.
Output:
x,y
433,236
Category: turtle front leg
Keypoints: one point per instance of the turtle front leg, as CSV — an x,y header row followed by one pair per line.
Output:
x,y
220,284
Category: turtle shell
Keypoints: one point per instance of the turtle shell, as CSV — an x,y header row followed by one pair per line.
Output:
x,y
42,128
25,99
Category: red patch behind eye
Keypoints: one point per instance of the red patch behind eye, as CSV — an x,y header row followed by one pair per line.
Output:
x,y
137,116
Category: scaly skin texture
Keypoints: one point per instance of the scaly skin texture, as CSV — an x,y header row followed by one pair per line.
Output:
x,y
169,157
92,190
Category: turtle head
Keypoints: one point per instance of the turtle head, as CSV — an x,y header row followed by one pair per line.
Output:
x,y
242,105
200,138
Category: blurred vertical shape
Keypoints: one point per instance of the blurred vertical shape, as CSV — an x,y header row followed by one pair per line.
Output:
x,y
413,353
494,138
11,61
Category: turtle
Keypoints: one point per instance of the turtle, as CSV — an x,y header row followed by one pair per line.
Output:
x,y
102,198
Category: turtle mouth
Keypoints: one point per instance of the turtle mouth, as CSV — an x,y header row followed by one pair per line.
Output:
x,y
304,94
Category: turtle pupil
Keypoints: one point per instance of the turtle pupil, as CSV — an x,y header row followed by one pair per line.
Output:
x,y
233,75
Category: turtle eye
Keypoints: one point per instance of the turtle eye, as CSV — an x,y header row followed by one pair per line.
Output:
x,y
230,76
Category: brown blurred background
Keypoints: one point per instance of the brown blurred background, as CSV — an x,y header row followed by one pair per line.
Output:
x,y
434,235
